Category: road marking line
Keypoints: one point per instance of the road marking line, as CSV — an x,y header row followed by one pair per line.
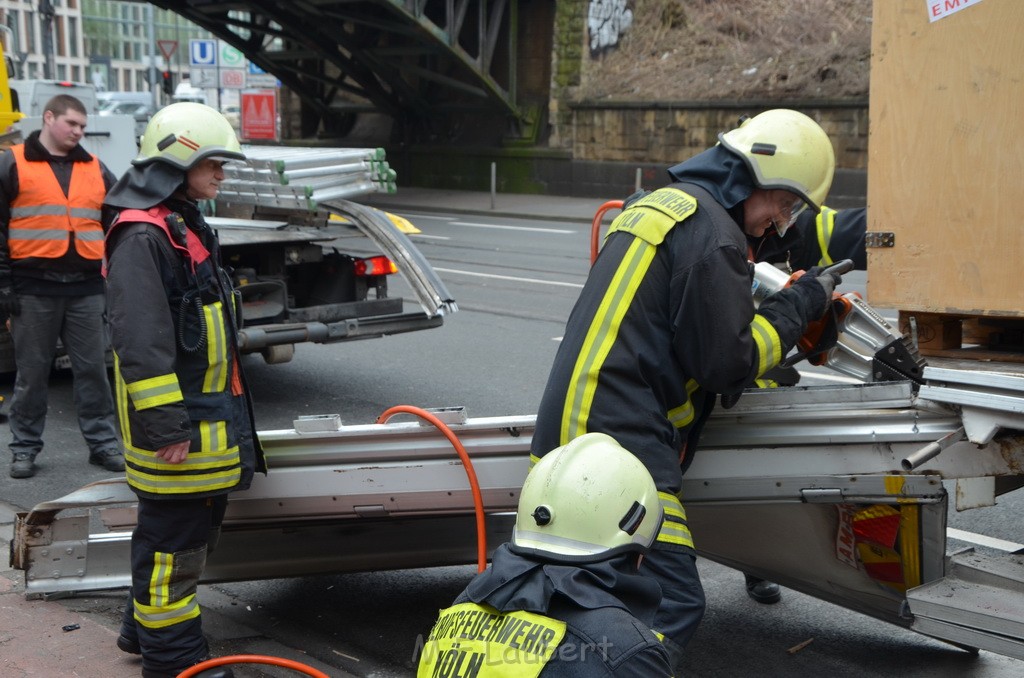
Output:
x,y
559,231
509,277
428,216
429,237
982,540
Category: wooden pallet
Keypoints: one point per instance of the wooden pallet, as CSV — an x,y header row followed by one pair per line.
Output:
x,y
965,336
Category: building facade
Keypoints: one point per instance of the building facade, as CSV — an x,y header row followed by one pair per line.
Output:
x,y
112,44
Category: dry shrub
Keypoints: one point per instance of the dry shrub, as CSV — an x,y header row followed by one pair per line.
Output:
x,y
705,50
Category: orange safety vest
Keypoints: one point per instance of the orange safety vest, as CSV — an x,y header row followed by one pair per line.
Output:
x,y
43,219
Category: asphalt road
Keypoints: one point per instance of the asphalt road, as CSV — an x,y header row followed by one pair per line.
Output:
x,y
515,282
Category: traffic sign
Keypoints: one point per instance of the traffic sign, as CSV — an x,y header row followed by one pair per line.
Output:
x,y
257,78
167,48
259,114
202,53
202,77
231,57
232,78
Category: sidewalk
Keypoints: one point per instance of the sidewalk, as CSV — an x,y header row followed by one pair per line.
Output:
x,y
412,199
75,637
48,638
521,206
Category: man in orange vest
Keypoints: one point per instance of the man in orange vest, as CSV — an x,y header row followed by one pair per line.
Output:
x,y
51,249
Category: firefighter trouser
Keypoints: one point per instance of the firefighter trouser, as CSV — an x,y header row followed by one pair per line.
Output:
x,y
682,602
169,548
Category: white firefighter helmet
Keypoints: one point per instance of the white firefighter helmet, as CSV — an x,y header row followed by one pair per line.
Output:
x,y
586,501
184,133
786,150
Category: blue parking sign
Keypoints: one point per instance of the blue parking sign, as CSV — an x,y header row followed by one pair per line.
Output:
x,y
202,53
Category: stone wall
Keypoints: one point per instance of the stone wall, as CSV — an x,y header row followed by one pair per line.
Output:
x,y
668,132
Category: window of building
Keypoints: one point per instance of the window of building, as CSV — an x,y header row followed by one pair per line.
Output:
x,y
73,36
59,37
30,33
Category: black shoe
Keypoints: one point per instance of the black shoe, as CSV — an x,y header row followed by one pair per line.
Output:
x,y
23,465
763,591
112,460
129,645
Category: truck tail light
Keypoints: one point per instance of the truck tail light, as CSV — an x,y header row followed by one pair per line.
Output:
x,y
379,265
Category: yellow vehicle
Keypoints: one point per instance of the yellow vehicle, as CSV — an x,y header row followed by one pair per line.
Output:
x,y
9,109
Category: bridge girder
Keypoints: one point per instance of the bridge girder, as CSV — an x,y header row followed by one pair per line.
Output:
x,y
414,60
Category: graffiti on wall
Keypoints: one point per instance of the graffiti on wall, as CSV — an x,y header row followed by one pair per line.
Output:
x,y
606,21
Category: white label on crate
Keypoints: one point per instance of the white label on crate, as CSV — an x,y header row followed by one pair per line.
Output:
x,y
940,9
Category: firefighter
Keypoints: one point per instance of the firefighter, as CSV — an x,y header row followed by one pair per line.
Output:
x,y
815,240
665,322
563,598
186,415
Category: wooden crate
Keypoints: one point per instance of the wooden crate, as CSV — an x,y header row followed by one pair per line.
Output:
x,y
962,336
946,159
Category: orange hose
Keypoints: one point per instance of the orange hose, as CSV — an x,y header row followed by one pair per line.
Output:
x,y
595,227
474,485
251,659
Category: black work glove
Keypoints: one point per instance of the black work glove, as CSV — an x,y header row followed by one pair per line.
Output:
x,y
826,279
831,277
9,302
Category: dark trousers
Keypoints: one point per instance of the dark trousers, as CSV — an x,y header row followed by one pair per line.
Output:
x,y
78,323
682,602
169,547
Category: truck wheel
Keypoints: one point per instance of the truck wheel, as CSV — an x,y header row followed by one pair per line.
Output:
x,y
275,355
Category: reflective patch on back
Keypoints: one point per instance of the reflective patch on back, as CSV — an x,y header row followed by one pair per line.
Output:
x,y
651,217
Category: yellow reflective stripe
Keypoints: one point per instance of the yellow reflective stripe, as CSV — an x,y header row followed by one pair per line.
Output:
x,y
195,461
121,401
159,579
682,416
675,533
671,505
147,393
601,336
216,378
175,484
161,616
825,223
766,383
674,529
213,435
769,346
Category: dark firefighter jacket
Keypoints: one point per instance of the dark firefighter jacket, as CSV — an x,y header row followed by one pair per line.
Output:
x,y
815,240
171,311
71,273
588,620
665,322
